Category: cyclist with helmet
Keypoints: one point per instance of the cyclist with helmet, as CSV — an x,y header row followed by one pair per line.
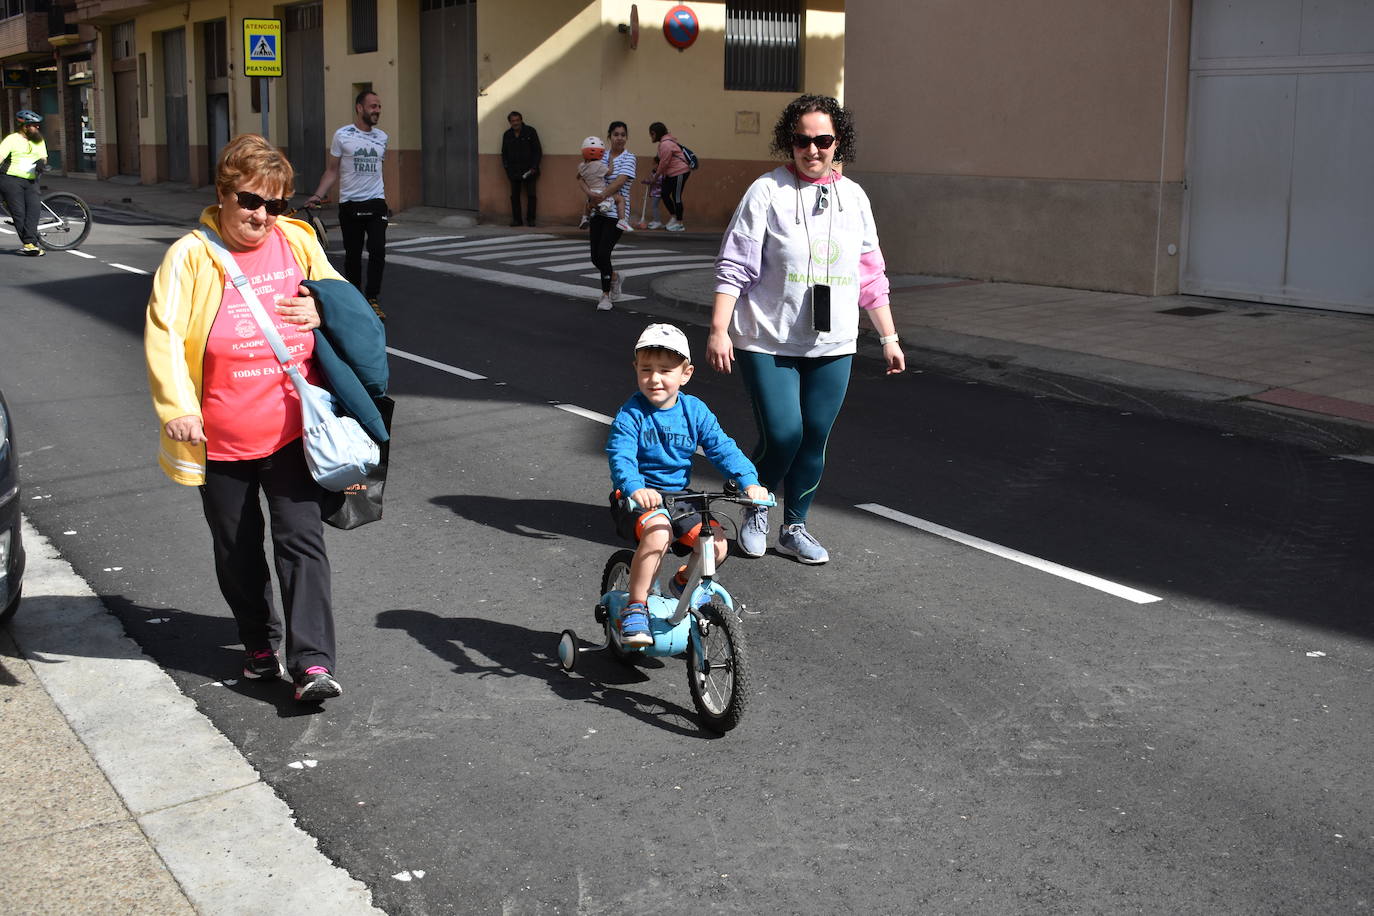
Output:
x,y
23,155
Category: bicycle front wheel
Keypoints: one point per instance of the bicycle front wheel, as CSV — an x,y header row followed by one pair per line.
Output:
x,y
64,221
718,668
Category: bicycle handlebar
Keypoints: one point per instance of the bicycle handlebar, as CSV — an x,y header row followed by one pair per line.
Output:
x,y
706,498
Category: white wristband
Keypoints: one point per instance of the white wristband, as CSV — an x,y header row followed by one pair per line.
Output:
x,y
887,339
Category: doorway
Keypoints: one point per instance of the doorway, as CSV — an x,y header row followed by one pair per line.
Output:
x,y
448,102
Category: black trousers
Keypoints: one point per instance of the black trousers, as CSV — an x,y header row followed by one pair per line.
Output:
x,y
604,236
233,511
21,197
532,201
672,193
361,220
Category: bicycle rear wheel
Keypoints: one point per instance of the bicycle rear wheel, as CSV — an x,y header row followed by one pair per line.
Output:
x,y
718,669
63,222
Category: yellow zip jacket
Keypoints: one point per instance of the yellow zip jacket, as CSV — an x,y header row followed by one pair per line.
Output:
x,y
186,296
24,155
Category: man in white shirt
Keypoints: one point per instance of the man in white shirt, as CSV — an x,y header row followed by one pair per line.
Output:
x,y
355,161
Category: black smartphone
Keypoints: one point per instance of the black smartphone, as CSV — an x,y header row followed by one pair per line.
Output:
x,y
820,307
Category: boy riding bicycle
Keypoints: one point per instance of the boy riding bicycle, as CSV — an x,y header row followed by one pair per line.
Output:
x,y
652,440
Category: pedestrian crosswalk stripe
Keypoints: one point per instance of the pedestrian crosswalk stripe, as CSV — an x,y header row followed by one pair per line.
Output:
x,y
425,240
656,269
502,242
581,248
546,248
646,259
435,364
524,281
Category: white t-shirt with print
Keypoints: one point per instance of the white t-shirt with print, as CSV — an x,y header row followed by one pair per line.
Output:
x,y
360,155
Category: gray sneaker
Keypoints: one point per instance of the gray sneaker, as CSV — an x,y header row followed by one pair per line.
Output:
x,y
753,531
796,541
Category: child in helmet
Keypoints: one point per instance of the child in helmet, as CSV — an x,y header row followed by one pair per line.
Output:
x,y
591,175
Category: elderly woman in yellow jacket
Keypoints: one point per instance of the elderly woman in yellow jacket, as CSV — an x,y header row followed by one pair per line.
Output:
x,y
231,418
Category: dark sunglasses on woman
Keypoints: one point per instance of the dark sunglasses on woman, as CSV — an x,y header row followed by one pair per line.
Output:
x,y
824,141
275,206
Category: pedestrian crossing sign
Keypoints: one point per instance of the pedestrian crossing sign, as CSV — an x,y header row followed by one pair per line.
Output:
x,y
262,47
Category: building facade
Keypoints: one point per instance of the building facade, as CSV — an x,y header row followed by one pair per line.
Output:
x,y
1152,147
170,89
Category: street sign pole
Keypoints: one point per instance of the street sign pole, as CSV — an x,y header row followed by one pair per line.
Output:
x,y
266,95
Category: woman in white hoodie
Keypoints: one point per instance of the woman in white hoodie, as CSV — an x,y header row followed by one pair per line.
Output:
x,y
799,262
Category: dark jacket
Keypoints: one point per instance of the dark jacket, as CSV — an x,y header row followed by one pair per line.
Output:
x,y
520,153
350,349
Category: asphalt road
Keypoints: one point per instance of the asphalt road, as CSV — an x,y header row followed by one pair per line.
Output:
x,y
935,728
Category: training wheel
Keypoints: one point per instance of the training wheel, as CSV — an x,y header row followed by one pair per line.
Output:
x,y
567,650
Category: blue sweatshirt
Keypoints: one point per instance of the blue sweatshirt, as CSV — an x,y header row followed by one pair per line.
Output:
x,y
649,447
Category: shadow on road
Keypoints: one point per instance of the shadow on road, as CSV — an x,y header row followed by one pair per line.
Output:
x,y
543,519
490,648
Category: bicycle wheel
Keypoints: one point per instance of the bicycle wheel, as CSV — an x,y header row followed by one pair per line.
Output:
x,y
317,224
718,669
64,222
616,577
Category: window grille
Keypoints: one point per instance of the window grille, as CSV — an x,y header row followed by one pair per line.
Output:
x,y
362,25
763,47
122,40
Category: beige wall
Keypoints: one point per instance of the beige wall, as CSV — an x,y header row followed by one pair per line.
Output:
x,y
1041,143
575,73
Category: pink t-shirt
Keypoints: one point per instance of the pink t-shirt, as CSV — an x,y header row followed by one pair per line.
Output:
x,y
249,405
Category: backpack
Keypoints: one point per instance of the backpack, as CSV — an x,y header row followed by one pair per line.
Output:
x,y
689,157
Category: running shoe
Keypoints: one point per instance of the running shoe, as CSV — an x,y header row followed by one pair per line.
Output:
x,y
634,626
317,684
753,532
624,225
604,305
263,663
796,541
675,226
654,225
32,250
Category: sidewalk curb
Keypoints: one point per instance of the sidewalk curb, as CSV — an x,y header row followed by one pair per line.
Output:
x,y
222,832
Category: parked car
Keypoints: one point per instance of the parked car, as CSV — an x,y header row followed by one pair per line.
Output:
x,y
11,547
88,141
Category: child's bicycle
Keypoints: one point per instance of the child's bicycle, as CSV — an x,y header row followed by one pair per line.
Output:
x,y
703,623
64,220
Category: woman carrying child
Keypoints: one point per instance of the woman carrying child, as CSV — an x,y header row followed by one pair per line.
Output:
x,y
606,229
799,262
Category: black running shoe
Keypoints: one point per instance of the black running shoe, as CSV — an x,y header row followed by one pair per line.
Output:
x,y
263,663
318,684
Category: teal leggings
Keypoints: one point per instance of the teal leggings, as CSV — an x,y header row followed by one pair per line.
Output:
x,y
796,400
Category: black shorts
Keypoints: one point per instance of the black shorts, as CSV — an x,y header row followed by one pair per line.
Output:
x,y
684,516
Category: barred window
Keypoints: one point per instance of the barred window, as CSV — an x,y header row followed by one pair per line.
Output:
x,y
763,46
362,25
122,40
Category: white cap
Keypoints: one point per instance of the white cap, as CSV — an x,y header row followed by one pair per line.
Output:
x,y
667,337
593,143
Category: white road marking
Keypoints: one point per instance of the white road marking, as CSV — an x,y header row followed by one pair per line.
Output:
x,y
634,259
82,254
544,248
435,364
1016,556
658,268
584,412
501,242
428,239
581,249
541,284
132,270
1367,459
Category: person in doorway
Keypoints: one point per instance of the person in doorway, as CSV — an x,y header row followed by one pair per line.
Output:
x,y
605,228
355,162
231,419
799,263
23,157
674,170
520,157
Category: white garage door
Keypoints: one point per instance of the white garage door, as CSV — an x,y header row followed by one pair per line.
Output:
x,y
1280,199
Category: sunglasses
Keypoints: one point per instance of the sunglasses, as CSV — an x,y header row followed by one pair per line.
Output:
x,y
824,141
823,198
250,201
